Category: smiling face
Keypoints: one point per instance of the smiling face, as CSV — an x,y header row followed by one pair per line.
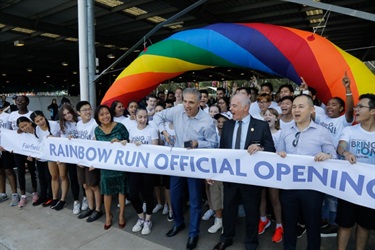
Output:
x,y
191,104
263,104
104,116
178,95
85,112
67,115
204,99
21,103
302,110
40,121
119,109
26,127
239,106
334,108
223,105
132,108
151,102
270,118
213,111
220,94
285,92
141,118
286,107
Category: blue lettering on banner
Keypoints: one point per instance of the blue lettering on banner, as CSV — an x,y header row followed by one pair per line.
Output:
x,y
79,152
183,162
357,187
173,161
298,172
161,161
323,177
199,166
268,167
282,169
225,166
370,188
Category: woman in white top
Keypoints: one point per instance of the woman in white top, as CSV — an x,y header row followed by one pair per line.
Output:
x,y
68,126
117,109
140,183
44,129
271,116
129,120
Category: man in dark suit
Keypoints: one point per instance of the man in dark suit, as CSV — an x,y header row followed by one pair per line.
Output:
x,y
243,132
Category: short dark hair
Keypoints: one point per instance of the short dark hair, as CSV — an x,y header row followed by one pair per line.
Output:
x,y
254,89
371,98
244,88
222,89
97,110
288,97
80,104
267,84
288,86
203,91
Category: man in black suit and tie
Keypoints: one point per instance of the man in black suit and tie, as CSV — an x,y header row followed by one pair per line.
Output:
x,y
243,132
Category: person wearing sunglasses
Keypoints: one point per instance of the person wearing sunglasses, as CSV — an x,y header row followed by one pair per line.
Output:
x,y
303,137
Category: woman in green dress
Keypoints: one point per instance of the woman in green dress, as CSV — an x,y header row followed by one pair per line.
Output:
x,y
111,181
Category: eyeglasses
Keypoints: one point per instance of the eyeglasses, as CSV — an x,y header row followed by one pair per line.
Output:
x,y
85,110
359,106
295,141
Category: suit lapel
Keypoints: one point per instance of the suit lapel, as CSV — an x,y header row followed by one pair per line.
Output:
x,y
250,133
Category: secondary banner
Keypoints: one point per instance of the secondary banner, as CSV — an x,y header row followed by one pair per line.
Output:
x,y
355,183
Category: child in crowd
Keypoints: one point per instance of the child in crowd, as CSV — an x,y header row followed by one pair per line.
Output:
x,y
271,116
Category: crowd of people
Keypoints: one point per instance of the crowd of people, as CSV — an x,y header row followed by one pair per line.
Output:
x,y
249,119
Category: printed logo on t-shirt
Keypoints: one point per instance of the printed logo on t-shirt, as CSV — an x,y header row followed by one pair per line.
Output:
x,y
141,138
363,149
329,126
83,135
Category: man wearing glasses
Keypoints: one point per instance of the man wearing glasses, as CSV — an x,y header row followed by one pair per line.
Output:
x,y
89,179
304,137
357,144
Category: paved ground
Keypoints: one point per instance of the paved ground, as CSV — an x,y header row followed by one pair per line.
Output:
x,y
44,228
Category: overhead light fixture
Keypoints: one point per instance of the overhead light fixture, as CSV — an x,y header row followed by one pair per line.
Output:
x,y
19,43
111,56
64,64
29,70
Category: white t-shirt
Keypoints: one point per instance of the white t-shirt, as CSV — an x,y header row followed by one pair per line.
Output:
x,y
145,135
284,125
54,128
4,122
319,110
14,116
361,143
276,137
70,129
254,108
258,116
129,123
334,125
86,130
170,131
118,119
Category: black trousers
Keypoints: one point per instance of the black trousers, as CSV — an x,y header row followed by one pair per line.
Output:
x,y
249,196
309,203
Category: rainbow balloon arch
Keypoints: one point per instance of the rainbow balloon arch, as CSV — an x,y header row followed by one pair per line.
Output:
x,y
280,51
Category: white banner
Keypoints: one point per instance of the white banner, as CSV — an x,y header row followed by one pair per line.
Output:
x,y
355,183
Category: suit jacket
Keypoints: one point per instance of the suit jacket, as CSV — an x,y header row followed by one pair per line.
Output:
x,y
258,131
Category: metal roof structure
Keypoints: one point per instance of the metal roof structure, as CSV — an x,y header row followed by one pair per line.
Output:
x,y
48,31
